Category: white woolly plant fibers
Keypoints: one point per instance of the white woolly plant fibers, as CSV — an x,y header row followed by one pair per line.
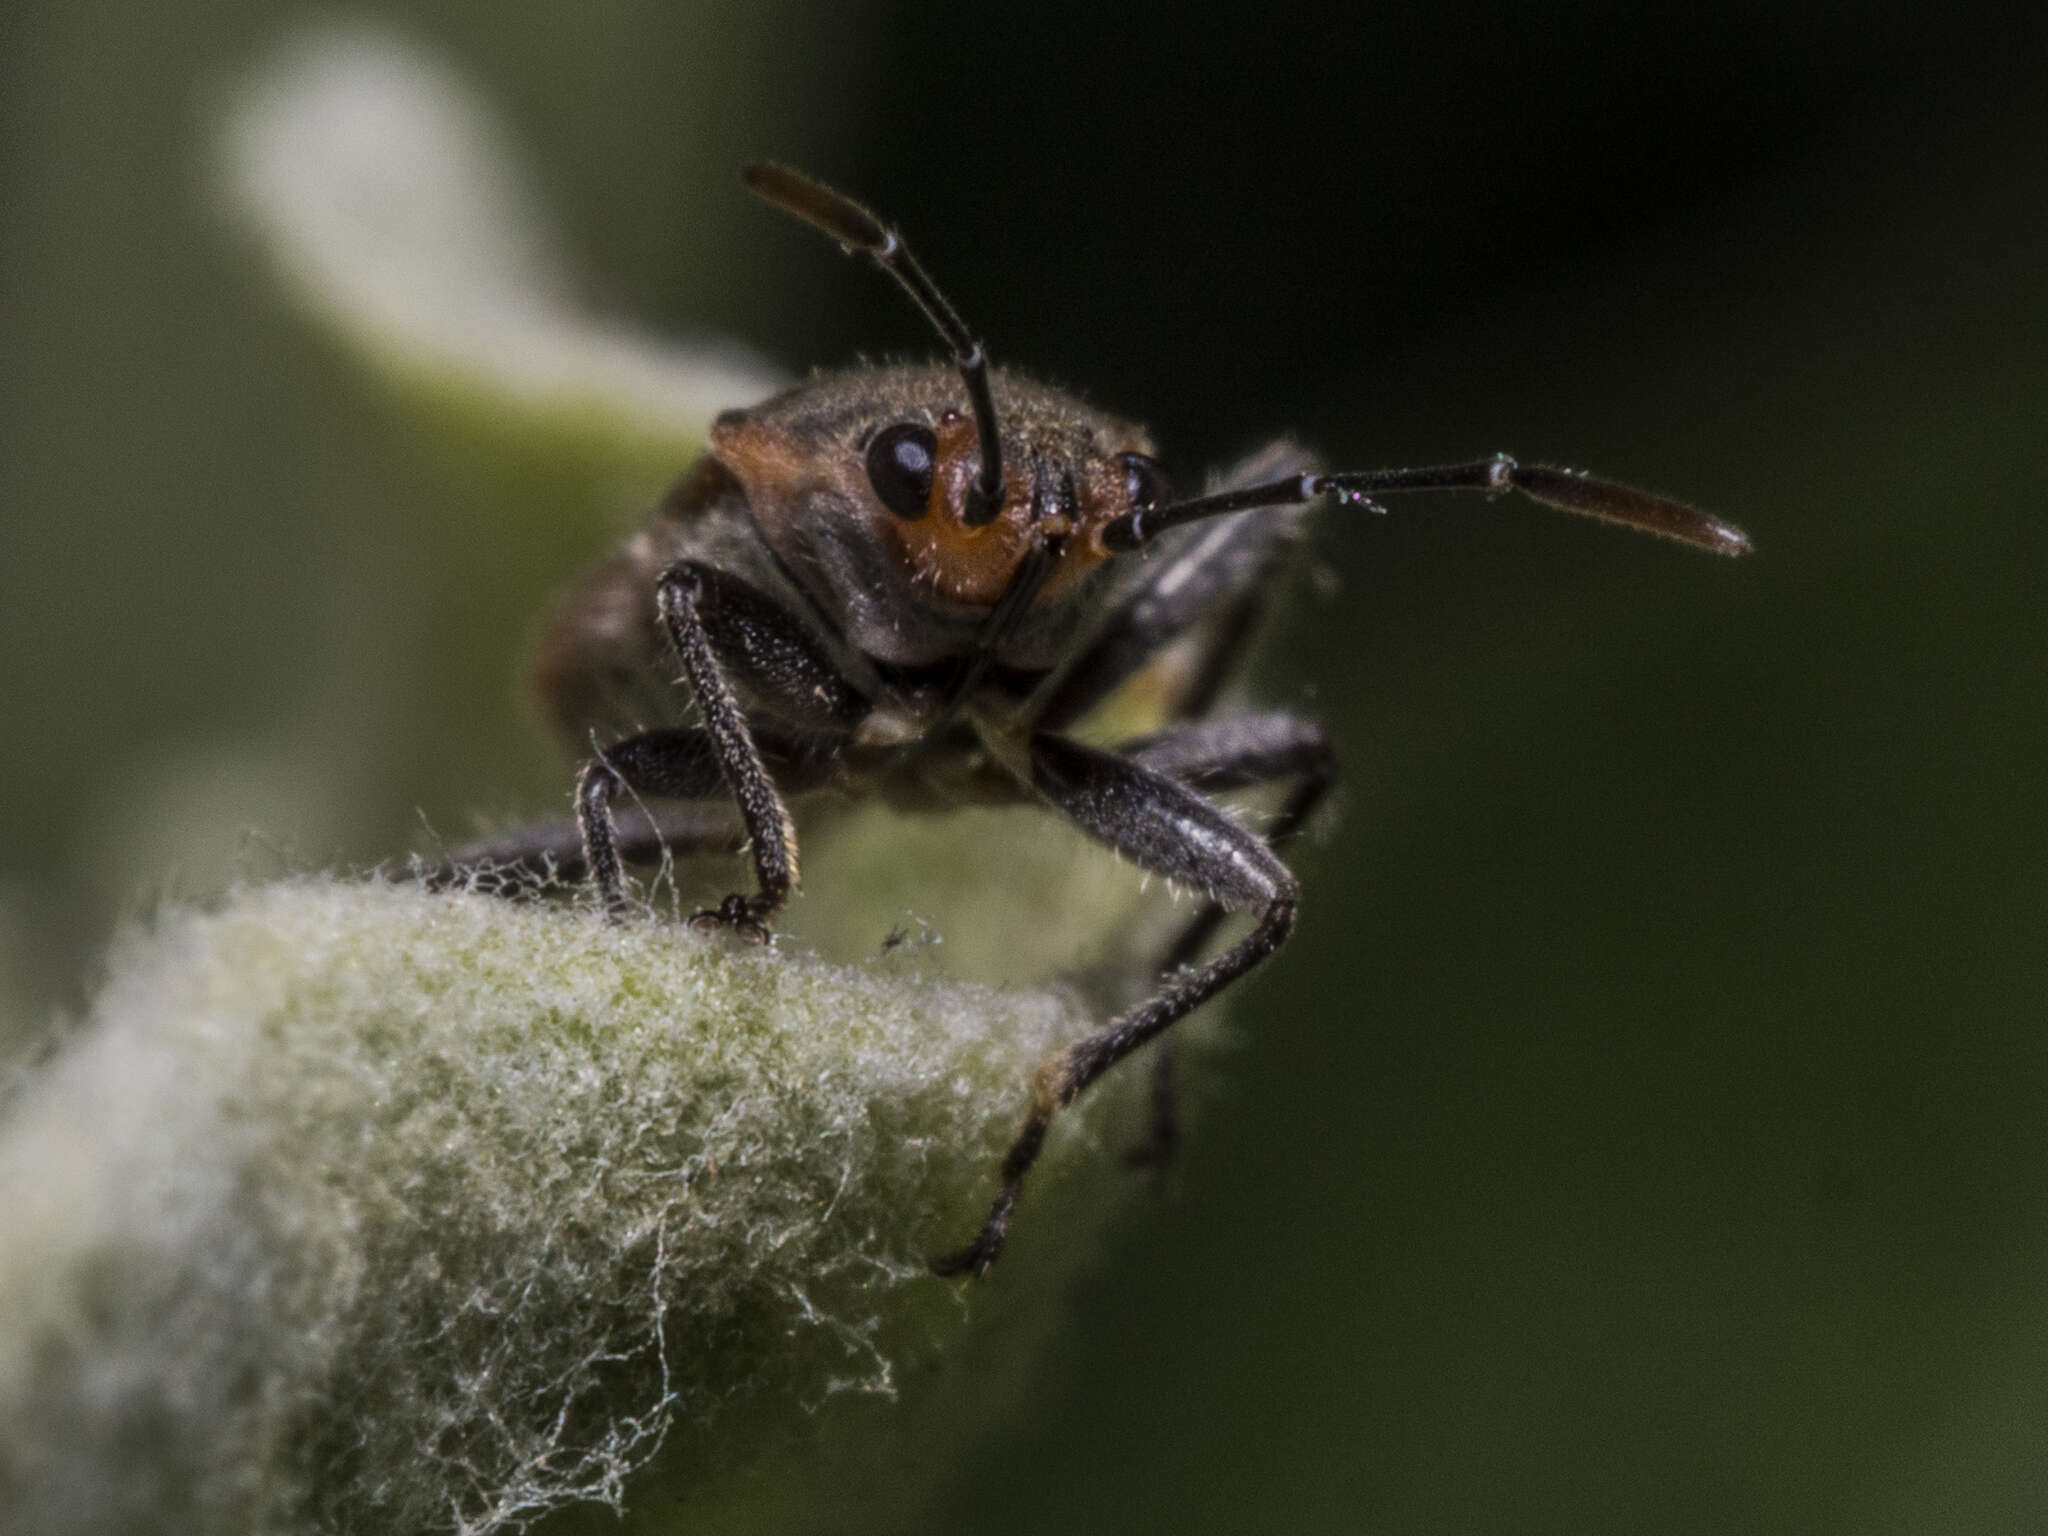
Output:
x,y
357,1208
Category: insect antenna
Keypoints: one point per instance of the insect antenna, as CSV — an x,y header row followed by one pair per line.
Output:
x,y
1566,489
856,229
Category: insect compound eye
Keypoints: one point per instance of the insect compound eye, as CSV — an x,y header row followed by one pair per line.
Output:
x,y
1144,484
900,464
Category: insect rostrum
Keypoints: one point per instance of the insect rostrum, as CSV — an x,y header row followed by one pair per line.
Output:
x,y
914,581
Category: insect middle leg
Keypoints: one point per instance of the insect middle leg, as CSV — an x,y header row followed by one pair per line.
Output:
x,y
530,859
1239,752
673,764
1166,828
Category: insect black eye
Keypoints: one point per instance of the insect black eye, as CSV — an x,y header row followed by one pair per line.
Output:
x,y
1144,484
900,463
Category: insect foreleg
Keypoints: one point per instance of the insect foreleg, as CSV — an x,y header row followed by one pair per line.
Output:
x,y
770,832
1236,753
1168,829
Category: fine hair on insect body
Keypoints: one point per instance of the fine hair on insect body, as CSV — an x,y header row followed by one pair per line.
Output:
x,y
915,581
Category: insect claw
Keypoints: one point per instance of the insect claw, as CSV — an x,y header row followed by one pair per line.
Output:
x,y
735,915
969,1263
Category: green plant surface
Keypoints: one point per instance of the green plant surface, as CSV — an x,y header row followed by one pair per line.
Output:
x,y
356,1207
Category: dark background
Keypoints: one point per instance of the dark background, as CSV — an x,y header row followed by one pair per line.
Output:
x,y
1646,1128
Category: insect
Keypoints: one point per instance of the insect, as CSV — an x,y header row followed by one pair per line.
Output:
x,y
914,581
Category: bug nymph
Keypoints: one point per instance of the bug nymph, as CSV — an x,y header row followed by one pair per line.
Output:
x,y
914,581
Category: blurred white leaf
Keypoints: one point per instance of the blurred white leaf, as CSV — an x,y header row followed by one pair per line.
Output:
x,y
390,200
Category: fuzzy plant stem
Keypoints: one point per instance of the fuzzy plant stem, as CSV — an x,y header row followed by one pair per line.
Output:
x,y
355,1208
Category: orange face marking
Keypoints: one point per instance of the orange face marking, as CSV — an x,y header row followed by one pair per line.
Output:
x,y
958,563
975,565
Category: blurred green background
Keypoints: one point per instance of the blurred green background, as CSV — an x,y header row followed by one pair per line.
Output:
x,y
1648,1127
